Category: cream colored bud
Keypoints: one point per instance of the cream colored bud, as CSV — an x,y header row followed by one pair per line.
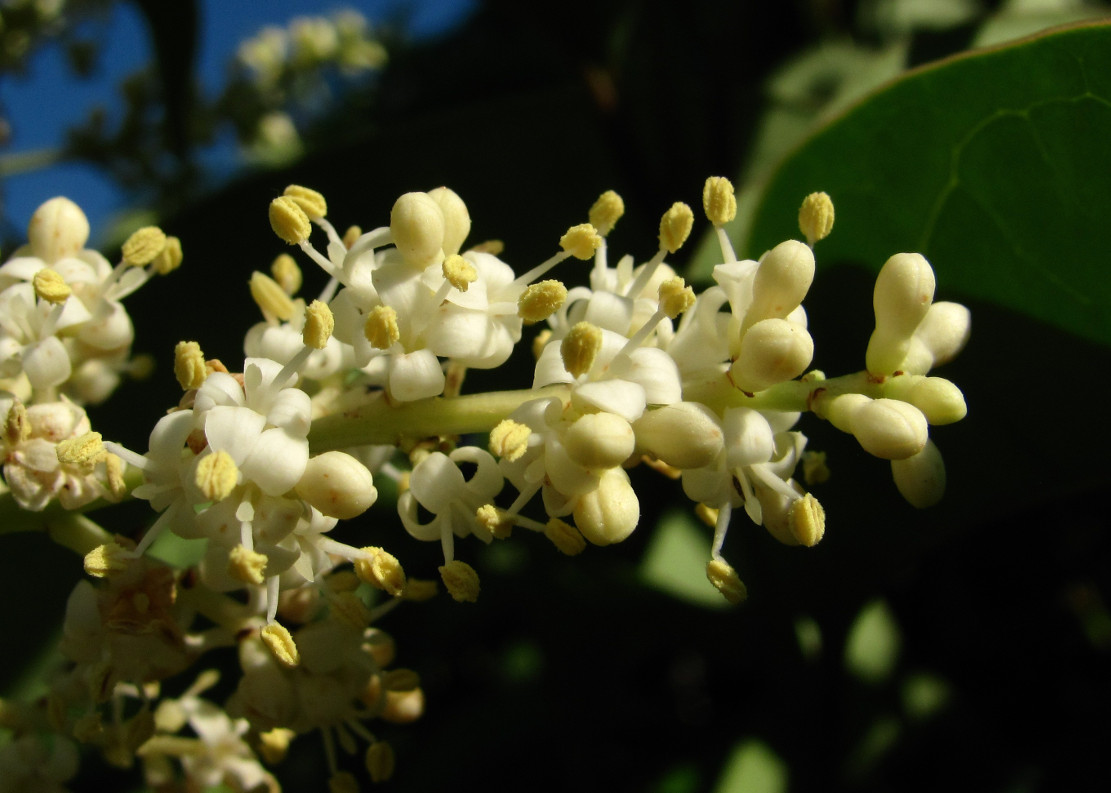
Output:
x,y
903,294
379,761
944,331
107,560
84,451
170,258
610,512
381,327
417,226
683,434
311,202
461,581
286,273
289,221
343,782
403,707
50,286
281,645
606,211
772,351
58,230
189,366
541,300
580,347
382,570
246,565
782,281
457,219
216,475
270,297
719,200
816,217
459,272
143,246
675,226
890,429
565,537
319,324
920,478
940,400
726,581
807,520
338,485
581,241
840,410
495,520
675,297
599,440
509,439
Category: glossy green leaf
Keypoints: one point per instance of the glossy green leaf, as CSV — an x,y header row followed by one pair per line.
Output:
x,y
992,164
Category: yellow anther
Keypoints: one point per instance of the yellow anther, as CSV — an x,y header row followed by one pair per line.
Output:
x,y
814,468
400,680
189,366
495,520
280,644
675,297
143,246
816,217
216,475
807,520
492,247
50,286
580,347
382,570
353,233
343,782
459,272
319,324
17,428
581,241
718,200
343,581
381,327
84,451
540,301
170,258
675,226
420,589
606,211
348,608
286,273
113,472
565,537
707,514
311,202
274,744
246,565
270,297
509,439
461,581
379,761
106,560
289,221
726,581
540,341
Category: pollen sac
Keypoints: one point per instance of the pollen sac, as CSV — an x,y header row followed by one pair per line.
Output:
x,y
816,217
719,200
606,211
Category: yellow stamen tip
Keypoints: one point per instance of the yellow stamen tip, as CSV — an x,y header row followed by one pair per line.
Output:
x,y
311,202
494,520
379,761
565,537
106,560
50,286
541,300
381,327
270,297
807,520
606,211
281,645
726,581
459,272
675,226
246,565
189,366
143,246
580,347
509,439
675,297
461,581
286,273
84,451
581,241
718,200
319,324
381,570
289,221
170,257
816,217
216,475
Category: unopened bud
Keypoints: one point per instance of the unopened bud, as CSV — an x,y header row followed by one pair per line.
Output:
x,y
289,221
610,512
719,200
683,434
943,332
461,581
606,211
675,226
903,294
920,478
599,440
581,241
772,351
143,246
58,230
816,217
280,644
457,219
939,399
379,761
890,429
782,281
311,202
338,485
417,226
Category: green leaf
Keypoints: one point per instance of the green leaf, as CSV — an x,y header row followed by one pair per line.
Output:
x,y
992,164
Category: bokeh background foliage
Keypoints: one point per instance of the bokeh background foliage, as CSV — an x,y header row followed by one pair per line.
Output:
x,y
964,646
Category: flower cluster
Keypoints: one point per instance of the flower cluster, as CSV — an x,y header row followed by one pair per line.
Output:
x,y
633,369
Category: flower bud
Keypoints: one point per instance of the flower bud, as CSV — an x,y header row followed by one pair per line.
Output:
x,y
683,434
58,229
337,484
890,429
943,332
599,440
610,512
903,293
417,226
457,220
920,477
782,281
939,399
772,351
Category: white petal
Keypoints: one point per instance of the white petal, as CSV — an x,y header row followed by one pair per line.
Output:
x,y
291,409
234,430
748,438
46,363
435,482
277,461
625,398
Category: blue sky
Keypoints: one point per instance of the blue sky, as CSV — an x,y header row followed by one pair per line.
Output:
x,y
40,105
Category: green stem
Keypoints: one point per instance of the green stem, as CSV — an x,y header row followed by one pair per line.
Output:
x,y
23,161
